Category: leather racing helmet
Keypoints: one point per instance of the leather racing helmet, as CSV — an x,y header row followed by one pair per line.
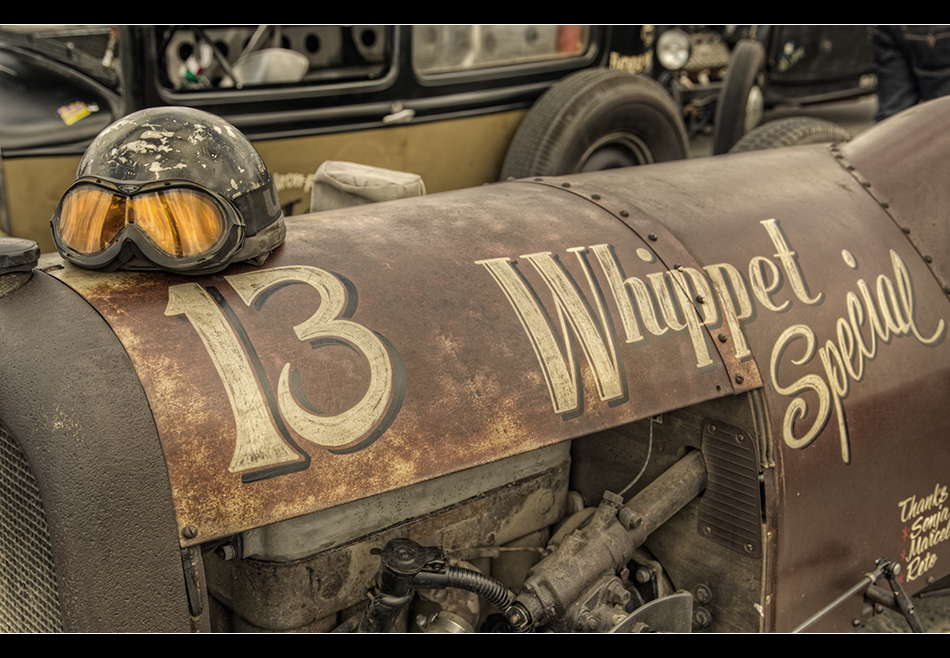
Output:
x,y
169,188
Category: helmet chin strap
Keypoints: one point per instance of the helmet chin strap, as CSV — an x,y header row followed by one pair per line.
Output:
x,y
258,247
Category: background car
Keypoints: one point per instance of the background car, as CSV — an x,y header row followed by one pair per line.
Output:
x,y
445,102
723,77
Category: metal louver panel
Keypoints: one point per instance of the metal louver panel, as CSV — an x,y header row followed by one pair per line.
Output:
x,y
29,601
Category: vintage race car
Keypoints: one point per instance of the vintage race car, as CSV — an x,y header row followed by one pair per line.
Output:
x,y
708,394
444,102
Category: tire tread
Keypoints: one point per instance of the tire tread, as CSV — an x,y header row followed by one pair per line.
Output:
x,y
791,132
748,60
535,148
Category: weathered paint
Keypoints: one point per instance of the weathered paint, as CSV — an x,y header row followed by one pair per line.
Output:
x,y
856,419
409,290
470,326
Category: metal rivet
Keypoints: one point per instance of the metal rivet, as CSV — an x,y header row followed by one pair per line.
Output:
x,y
947,290
652,236
885,204
700,299
740,437
537,180
712,429
595,197
749,548
739,379
702,617
929,259
723,338
676,266
703,594
707,530
565,184
624,213
905,229
226,552
850,167
866,183
189,532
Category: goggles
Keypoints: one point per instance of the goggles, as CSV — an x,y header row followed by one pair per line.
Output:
x,y
177,225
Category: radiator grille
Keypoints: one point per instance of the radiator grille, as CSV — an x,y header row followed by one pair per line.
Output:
x,y
29,601
707,51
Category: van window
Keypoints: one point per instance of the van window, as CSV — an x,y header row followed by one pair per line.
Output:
x,y
197,58
451,48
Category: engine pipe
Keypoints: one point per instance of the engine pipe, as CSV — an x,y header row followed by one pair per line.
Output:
x,y
606,542
471,581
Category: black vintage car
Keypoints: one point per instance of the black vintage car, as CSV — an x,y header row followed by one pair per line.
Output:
x,y
445,102
726,76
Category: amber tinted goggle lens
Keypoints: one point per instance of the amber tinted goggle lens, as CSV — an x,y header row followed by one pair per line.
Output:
x,y
179,222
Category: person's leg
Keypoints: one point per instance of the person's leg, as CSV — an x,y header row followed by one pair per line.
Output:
x,y
930,52
896,82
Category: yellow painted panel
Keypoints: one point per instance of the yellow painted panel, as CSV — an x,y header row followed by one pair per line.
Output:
x,y
33,187
448,155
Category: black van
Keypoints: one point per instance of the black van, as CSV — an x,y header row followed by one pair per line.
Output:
x,y
445,102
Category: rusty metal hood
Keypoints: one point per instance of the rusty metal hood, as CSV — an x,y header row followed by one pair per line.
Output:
x,y
389,344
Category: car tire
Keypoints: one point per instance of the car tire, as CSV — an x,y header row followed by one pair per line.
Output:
x,y
742,101
596,119
791,132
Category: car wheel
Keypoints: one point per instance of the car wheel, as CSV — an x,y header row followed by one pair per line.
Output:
x,y
791,132
741,102
593,120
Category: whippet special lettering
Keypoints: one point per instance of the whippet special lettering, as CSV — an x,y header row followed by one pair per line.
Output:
x,y
685,300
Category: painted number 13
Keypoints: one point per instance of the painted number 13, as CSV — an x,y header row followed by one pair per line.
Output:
x,y
263,446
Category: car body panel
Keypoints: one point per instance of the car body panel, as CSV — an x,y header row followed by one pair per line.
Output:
x,y
440,279
398,351
473,386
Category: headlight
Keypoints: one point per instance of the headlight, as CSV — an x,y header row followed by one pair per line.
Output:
x,y
672,49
